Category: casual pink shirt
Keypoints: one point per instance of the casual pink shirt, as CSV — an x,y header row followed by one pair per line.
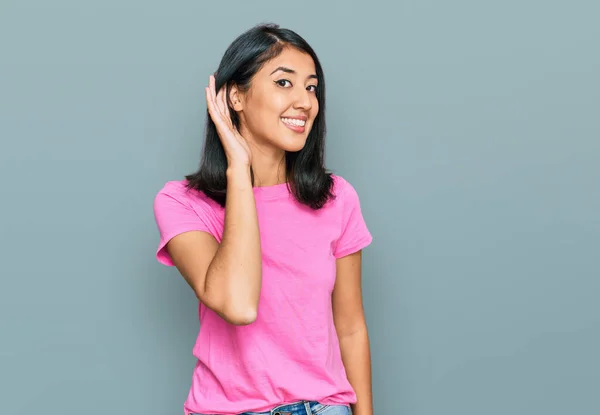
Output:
x,y
291,352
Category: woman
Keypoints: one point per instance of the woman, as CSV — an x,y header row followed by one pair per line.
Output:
x,y
270,242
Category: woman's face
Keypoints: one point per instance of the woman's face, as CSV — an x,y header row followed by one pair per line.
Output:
x,y
280,107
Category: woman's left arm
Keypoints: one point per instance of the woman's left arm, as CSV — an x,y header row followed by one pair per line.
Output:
x,y
352,331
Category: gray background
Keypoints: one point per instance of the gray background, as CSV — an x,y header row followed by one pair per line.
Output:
x,y
470,130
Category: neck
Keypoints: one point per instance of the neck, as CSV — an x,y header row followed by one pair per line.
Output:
x,y
268,164
268,161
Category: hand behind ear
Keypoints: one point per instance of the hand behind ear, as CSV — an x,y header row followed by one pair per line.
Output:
x,y
236,147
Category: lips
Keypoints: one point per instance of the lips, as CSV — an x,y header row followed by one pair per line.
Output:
x,y
297,122
296,117
294,124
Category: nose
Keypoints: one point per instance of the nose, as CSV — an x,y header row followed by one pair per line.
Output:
x,y
302,99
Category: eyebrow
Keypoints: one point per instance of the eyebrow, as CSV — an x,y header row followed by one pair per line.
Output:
x,y
288,70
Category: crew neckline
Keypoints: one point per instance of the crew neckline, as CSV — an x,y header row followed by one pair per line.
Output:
x,y
275,191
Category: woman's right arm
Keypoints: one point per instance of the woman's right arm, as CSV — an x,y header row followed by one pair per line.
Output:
x,y
226,277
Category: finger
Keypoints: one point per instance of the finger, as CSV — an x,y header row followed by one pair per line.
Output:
x,y
225,106
212,107
219,102
217,113
209,102
211,83
227,110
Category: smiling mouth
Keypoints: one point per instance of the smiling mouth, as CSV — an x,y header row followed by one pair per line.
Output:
x,y
293,122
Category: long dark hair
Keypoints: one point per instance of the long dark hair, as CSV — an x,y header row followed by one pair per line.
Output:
x,y
306,175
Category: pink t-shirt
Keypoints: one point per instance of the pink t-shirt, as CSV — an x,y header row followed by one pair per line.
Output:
x,y
291,352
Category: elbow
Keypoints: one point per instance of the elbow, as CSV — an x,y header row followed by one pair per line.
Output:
x,y
236,315
240,316
235,307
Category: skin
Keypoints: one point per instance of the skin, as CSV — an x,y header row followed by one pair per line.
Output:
x,y
351,328
274,94
228,277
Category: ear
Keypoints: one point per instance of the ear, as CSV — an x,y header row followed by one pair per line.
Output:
x,y
236,98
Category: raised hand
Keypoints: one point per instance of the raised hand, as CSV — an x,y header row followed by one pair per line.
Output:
x,y
236,147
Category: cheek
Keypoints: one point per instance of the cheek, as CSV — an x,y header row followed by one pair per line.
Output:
x,y
269,109
262,108
278,105
315,108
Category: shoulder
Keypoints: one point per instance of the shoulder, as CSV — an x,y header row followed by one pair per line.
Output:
x,y
343,189
177,192
174,188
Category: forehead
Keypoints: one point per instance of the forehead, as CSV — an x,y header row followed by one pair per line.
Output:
x,y
291,58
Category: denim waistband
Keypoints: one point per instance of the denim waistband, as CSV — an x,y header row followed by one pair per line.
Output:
x,y
303,408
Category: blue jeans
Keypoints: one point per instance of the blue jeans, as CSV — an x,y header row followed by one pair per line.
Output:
x,y
303,408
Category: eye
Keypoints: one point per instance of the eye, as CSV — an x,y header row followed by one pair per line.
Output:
x,y
281,82
314,88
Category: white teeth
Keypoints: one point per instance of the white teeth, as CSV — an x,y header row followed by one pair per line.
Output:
x,y
291,121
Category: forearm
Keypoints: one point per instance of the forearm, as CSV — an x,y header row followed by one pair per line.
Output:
x,y
235,273
356,356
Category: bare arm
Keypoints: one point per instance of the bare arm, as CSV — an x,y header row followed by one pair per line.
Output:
x,y
234,277
352,331
226,277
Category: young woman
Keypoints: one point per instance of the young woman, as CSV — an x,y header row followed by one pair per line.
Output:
x,y
270,242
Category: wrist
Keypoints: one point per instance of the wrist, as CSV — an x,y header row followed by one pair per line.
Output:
x,y
239,174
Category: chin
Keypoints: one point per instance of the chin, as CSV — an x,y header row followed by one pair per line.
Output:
x,y
291,141
292,145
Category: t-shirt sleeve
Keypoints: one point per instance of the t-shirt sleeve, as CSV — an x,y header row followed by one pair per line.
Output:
x,y
355,234
174,214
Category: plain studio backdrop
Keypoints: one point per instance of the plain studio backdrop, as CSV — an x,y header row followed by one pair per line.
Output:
x,y
470,130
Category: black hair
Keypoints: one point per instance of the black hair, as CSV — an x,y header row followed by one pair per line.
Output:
x,y
308,180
